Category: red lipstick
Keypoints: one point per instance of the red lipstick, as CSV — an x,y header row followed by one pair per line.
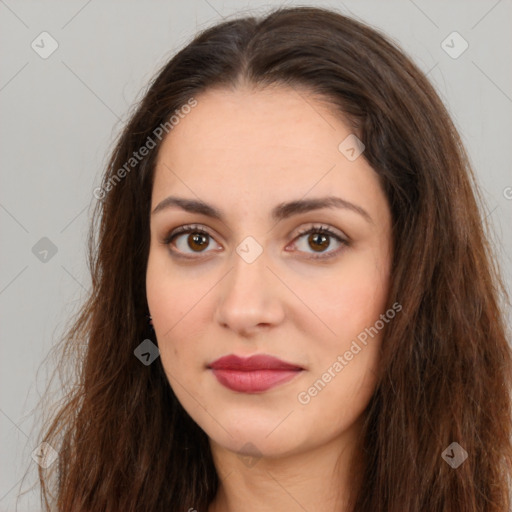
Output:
x,y
253,374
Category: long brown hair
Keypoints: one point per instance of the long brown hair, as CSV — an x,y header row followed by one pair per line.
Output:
x,y
125,443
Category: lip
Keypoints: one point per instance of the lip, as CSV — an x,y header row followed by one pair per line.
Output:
x,y
253,374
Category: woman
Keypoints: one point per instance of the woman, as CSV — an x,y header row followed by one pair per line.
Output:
x,y
294,304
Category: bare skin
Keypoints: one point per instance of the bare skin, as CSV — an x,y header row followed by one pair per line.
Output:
x,y
245,152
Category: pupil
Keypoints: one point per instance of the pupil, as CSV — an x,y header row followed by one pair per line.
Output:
x,y
198,239
314,238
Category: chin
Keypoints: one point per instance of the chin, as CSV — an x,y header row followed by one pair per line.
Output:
x,y
255,438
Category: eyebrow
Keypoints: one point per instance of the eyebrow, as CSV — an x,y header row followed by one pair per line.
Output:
x,y
279,212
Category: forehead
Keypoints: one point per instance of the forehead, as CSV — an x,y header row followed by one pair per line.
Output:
x,y
269,144
238,123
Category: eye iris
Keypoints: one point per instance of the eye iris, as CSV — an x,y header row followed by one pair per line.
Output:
x,y
197,239
316,239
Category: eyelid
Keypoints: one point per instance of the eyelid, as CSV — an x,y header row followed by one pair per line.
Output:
x,y
312,228
321,227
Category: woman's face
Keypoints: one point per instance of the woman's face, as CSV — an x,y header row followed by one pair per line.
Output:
x,y
255,283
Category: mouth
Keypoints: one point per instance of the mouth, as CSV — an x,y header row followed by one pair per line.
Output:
x,y
254,374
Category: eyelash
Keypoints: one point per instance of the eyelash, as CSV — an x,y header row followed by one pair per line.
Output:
x,y
189,228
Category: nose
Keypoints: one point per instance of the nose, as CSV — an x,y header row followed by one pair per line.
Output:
x,y
249,297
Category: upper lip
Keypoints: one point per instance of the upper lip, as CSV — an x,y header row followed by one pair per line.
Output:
x,y
256,362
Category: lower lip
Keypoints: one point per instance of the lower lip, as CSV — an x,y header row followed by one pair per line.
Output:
x,y
254,381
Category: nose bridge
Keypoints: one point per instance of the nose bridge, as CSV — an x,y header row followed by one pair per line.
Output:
x,y
248,296
249,274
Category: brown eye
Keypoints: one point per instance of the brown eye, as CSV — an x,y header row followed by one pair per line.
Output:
x,y
318,239
197,241
314,241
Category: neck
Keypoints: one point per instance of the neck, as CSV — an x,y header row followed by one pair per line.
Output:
x,y
317,479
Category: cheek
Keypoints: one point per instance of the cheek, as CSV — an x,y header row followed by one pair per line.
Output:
x,y
165,305
351,300
344,364
168,292
176,300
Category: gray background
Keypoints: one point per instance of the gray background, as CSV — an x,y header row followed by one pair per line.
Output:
x,y
60,115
